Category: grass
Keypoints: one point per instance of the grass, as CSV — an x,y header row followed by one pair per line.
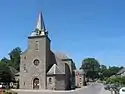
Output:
x,y
9,92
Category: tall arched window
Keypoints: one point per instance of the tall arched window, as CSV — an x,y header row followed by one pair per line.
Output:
x,y
37,45
50,80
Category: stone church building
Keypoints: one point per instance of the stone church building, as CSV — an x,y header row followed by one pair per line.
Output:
x,y
40,67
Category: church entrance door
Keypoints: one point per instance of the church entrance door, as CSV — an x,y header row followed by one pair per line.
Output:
x,y
36,83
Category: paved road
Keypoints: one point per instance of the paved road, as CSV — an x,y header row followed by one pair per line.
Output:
x,y
93,89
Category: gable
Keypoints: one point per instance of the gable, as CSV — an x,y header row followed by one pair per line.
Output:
x,y
55,70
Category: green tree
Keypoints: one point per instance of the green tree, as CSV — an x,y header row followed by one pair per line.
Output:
x,y
119,80
15,58
108,72
103,67
114,70
103,70
5,73
91,67
5,60
123,80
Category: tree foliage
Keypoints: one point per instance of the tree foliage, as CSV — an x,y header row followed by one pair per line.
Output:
x,y
95,70
120,80
114,69
108,72
9,66
5,60
15,58
5,73
91,67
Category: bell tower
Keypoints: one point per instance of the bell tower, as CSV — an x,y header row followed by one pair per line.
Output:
x,y
36,58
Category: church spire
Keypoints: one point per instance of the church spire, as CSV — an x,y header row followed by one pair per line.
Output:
x,y
40,29
40,23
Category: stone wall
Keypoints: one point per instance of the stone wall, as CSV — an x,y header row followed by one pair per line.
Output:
x,y
60,82
28,71
51,84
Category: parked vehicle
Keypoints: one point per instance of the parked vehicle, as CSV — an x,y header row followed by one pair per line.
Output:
x,y
107,87
3,86
122,90
114,86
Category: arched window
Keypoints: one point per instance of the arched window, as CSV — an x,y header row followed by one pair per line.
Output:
x,y
50,80
36,62
36,83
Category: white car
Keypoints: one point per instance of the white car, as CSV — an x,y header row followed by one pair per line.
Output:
x,y
1,86
122,90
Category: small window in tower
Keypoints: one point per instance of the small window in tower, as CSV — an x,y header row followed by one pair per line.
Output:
x,y
25,67
36,62
37,45
24,83
80,83
24,57
50,80
80,79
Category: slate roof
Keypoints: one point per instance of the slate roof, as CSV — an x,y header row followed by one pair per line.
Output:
x,y
61,55
58,61
55,70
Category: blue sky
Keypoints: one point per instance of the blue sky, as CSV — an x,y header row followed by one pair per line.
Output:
x,y
79,28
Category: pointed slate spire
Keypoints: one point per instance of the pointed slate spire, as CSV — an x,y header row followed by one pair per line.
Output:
x,y
40,29
40,23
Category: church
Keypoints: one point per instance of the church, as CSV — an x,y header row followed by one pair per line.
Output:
x,y
40,67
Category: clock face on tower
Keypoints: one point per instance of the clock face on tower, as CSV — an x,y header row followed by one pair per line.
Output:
x,y
36,62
